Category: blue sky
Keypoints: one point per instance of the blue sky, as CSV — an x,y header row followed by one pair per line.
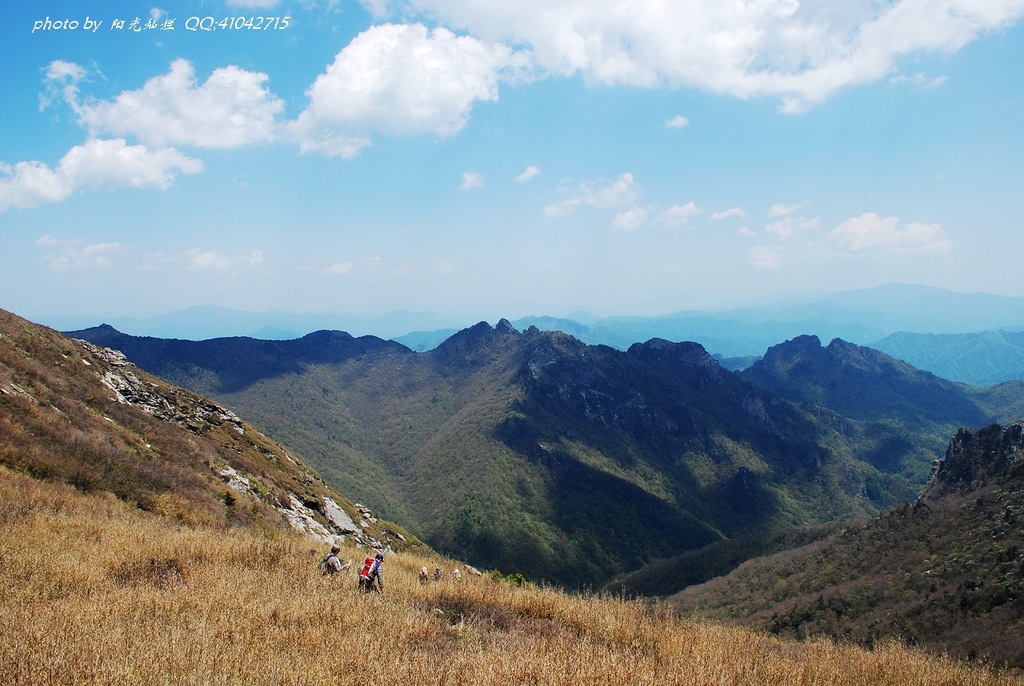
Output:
x,y
503,158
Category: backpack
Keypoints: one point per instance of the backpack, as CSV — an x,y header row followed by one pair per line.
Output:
x,y
324,567
367,565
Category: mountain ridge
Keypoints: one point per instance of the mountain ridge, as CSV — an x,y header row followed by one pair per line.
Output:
x,y
914,323
961,600
982,358
943,572
520,450
859,316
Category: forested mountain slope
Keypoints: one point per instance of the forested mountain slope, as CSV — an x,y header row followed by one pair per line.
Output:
x,y
946,572
535,453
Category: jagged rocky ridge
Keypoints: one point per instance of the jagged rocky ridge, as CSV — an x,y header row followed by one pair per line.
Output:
x,y
536,453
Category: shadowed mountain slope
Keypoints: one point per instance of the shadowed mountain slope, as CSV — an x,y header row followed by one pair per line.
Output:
x,y
946,572
862,383
868,385
191,362
535,453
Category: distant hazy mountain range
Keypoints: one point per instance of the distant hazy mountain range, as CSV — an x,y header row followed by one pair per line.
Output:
x,y
980,359
975,338
858,316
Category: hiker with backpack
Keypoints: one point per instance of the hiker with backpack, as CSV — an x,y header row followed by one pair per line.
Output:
x,y
332,564
371,576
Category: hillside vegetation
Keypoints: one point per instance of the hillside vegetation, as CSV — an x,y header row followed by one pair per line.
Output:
x,y
946,572
149,535
97,591
75,413
570,463
985,358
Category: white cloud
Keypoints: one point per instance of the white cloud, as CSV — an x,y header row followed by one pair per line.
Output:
x,y
74,255
530,172
622,192
781,210
207,260
253,4
96,165
471,180
730,213
801,51
59,70
919,80
236,262
870,233
27,184
399,80
103,164
781,237
377,8
231,109
678,216
630,220
61,82
340,268
788,228
677,122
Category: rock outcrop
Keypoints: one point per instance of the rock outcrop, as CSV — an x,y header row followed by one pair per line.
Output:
x,y
316,514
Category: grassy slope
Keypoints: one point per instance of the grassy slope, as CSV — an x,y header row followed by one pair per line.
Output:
x,y
60,421
96,591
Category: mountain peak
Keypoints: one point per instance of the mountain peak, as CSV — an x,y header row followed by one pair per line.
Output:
x,y
478,342
976,456
860,382
505,326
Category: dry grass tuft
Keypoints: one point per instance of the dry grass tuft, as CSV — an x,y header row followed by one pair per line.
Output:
x,y
94,591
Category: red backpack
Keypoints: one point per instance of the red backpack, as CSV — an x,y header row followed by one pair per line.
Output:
x,y
365,572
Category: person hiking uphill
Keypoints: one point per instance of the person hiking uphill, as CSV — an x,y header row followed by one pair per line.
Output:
x,y
332,564
371,576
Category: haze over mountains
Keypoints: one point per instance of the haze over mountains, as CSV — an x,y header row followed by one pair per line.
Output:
x,y
857,316
974,338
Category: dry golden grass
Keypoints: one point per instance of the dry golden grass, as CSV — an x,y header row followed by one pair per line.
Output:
x,y
92,591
